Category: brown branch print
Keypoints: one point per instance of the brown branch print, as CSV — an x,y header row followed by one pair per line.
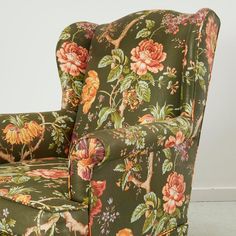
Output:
x,y
71,224
146,185
122,106
197,126
116,42
44,227
6,157
75,226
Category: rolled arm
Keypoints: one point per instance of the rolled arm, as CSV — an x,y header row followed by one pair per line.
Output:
x,y
35,135
103,146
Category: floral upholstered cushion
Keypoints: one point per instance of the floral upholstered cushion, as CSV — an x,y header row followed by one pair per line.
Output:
x,y
27,136
34,198
138,69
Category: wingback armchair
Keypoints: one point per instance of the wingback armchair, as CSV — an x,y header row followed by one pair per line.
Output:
x,y
118,158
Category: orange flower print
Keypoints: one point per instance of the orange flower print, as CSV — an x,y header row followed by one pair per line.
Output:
x,y
211,33
148,118
89,91
125,232
70,97
4,192
87,152
24,199
73,58
131,99
21,132
5,179
129,165
173,192
147,56
33,128
175,141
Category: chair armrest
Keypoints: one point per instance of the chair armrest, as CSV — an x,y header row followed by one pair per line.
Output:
x,y
35,135
102,146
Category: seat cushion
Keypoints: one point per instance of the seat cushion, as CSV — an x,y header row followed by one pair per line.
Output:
x,y
34,200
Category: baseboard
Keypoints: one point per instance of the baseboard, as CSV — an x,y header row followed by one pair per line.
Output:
x,y
216,194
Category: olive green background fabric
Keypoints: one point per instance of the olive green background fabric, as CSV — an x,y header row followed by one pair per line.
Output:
x,y
140,87
34,135
34,199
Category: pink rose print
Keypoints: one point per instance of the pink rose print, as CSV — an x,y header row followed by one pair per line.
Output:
x,y
73,58
173,192
147,56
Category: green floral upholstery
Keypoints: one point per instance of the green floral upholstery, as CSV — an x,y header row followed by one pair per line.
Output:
x,y
139,87
39,190
138,129
72,54
35,135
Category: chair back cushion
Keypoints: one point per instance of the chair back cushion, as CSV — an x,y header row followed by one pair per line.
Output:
x,y
139,70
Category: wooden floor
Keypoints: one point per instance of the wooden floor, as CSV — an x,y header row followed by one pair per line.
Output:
x,y
212,219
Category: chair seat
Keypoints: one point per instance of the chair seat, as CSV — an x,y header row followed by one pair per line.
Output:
x,y
34,199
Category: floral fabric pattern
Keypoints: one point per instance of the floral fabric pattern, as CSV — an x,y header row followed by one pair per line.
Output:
x,y
147,56
15,134
72,54
35,135
45,134
147,86
73,58
211,38
173,192
139,87
39,189
87,153
89,90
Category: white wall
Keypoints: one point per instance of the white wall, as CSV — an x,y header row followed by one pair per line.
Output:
x,y
28,76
